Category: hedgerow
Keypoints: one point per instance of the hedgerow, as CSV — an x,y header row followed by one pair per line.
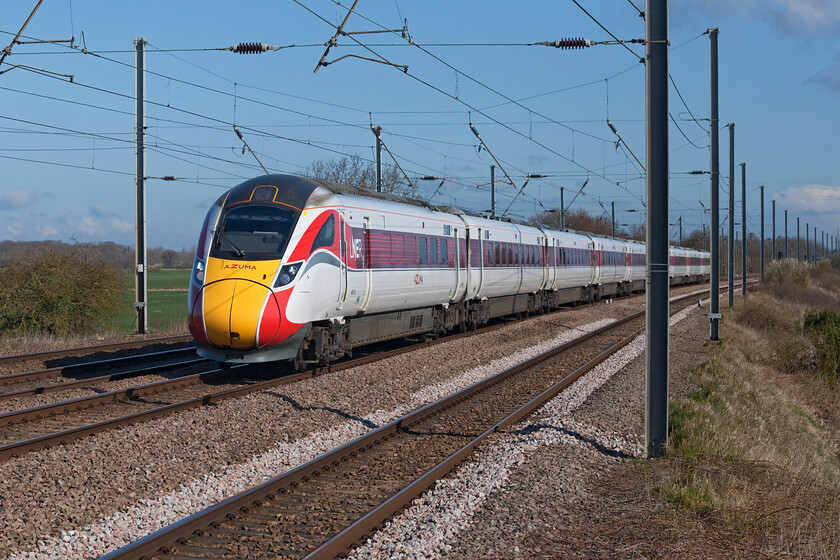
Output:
x,y
58,293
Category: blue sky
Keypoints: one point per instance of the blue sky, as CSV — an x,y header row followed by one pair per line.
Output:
x,y
67,154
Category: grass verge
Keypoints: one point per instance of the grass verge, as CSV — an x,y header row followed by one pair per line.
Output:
x,y
753,451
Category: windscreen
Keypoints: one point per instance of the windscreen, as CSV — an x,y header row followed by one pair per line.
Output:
x,y
254,232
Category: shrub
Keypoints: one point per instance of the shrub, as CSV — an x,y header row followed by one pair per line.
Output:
x,y
794,354
821,268
760,314
823,328
59,293
787,277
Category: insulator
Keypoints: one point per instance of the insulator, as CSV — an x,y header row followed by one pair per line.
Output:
x,y
568,43
250,48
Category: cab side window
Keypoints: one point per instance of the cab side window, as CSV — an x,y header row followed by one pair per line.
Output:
x,y
326,235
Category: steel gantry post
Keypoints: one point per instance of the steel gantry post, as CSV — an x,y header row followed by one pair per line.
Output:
x,y
140,270
714,186
762,231
744,228
656,295
798,252
562,210
786,235
493,191
773,254
731,214
377,131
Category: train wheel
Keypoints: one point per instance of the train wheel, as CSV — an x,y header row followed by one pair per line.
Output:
x,y
299,362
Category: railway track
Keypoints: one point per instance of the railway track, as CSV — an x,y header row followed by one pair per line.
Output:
x,y
47,425
85,350
112,369
327,506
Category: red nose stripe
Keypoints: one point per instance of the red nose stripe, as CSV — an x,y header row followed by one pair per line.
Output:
x,y
270,322
196,322
286,328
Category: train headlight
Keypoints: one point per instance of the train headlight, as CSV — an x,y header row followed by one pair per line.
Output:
x,y
198,271
287,274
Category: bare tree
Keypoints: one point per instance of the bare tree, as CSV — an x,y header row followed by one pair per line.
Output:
x,y
637,232
697,239
352,170
580,220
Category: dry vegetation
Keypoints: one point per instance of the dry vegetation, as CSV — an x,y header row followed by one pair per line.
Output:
x,y
58,293
754,449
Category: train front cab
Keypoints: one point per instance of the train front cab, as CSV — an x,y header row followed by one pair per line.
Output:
x,y
238,292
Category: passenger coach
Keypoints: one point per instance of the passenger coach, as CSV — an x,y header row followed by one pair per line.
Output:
x,y
289,268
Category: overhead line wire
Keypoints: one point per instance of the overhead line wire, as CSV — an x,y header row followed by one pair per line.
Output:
x,y
620,42
475,80
696,121
447,94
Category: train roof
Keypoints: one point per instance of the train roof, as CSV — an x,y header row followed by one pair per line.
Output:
x,y
297,190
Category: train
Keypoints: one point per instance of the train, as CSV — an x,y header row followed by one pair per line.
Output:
x,y
297,269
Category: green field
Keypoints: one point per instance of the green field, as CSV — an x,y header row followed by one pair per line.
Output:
x,y
167,305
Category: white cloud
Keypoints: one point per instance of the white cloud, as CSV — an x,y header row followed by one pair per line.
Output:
x,y
12,229
829,77
46,231
797,17
120,225
820,199
89,226
17,198
102,211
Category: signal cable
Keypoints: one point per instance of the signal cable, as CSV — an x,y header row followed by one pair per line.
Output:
x,y
476,81
447,94
696,121
640,59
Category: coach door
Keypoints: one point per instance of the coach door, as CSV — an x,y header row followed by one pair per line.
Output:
x,y
342,288
457,254
367,264
595,261
480,263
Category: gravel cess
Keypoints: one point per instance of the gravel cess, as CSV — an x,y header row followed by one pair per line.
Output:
x,y
426,528
111,481
151,514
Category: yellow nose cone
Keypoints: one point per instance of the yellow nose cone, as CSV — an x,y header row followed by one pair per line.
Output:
x,y
232,311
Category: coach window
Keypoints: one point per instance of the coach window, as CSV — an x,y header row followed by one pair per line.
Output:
x,y
498,256
396,249
444,252
433,253
421,248
326,235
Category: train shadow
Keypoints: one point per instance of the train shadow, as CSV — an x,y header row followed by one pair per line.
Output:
x,y
332,410
600,448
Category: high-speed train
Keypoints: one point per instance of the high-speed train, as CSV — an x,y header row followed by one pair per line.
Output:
x,y
289,268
